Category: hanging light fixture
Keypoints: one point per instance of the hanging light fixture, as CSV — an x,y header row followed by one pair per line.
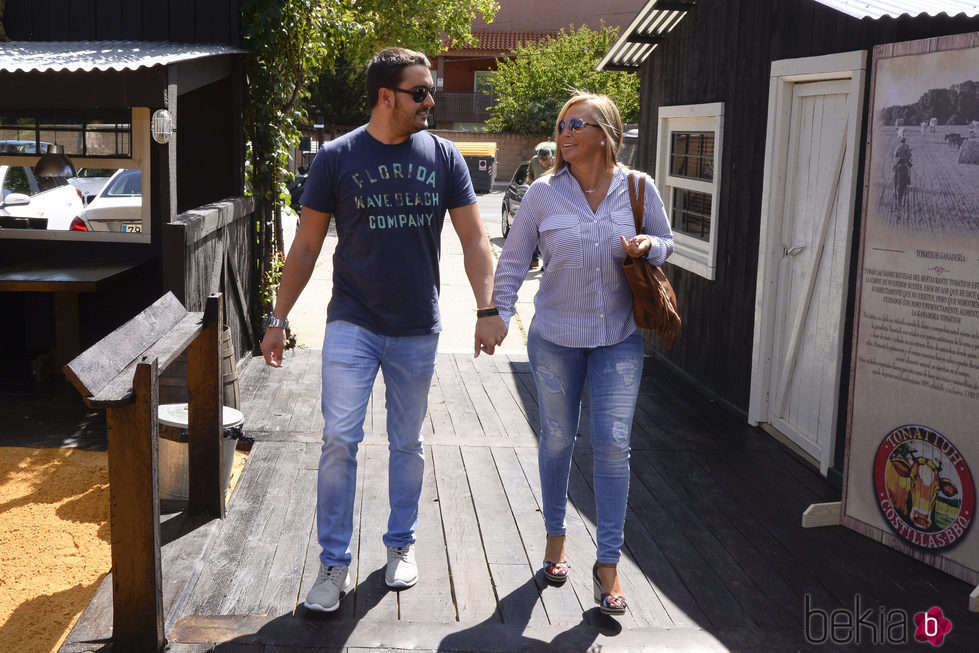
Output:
x,y
54,163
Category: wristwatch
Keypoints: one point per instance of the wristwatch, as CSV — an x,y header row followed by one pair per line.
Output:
x,y
272,321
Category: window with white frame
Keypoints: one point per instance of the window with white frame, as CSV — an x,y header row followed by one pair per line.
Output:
x,y
483,81
688,151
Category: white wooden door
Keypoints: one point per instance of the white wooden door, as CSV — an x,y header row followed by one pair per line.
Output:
x,y
804,260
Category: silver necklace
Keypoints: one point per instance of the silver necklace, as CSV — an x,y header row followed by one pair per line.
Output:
x,y
599,185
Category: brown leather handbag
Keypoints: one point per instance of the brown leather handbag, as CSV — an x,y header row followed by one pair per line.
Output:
x,y
653,299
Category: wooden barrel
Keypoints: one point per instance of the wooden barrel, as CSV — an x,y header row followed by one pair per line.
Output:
x,y
173,380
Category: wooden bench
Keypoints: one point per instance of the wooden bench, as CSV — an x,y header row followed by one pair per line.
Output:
x,y
120,373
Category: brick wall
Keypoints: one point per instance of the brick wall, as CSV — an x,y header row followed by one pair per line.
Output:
x,y
511,149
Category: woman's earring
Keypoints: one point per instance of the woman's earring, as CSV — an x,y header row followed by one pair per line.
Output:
x,y
603,142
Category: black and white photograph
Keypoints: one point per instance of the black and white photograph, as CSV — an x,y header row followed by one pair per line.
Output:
x,y
924,145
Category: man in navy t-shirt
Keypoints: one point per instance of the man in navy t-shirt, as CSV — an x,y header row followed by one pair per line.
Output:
x,y
388,186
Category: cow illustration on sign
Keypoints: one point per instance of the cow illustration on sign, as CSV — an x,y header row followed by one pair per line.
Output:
x,y
924,487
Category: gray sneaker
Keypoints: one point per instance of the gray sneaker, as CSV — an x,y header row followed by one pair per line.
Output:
x,y
331,584
401,570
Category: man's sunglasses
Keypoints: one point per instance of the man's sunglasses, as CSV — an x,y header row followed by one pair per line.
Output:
x,y
576,125
418,94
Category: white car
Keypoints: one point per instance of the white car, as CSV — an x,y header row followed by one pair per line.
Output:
x,y
118,206
89,181
45,202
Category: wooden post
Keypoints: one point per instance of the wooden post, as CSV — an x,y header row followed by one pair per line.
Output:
x,y
137,585
204,434
66,323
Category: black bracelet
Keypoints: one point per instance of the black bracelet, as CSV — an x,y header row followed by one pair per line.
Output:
x,y
486,312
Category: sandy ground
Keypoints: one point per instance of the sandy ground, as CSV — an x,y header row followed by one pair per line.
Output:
x,y
54,541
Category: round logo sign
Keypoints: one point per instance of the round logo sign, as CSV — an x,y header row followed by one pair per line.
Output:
x,y
923,487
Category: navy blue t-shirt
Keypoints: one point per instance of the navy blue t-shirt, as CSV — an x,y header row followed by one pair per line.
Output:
x,y
389,204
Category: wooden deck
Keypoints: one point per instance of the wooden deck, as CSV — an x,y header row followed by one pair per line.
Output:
x,y
715,557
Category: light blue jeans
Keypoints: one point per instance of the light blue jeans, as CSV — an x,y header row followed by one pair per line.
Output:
x,y
351,357
612,375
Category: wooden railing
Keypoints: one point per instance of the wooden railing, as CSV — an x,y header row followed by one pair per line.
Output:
x,y
120,374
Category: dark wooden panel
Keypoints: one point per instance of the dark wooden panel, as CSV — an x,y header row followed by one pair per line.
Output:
x,y
207,124
183,18
201,21
81,90
735,43
85,20
92,370
131,18
216,21
106,22
156,22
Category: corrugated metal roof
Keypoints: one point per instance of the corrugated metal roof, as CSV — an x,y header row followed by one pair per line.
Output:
x,y
650,26
73,56
895,8
658,17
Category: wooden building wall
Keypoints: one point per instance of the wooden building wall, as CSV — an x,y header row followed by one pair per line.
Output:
x,y
207,97
189,21
722,52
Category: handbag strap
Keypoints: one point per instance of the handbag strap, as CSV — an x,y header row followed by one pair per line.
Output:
x,y
638,202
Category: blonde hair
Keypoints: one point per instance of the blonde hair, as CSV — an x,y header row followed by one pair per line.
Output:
x,y
605,113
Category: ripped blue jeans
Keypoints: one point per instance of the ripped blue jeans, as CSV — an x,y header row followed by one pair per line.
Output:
x,y
612,375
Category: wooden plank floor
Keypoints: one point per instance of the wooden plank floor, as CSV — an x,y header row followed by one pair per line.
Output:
x,y
715,557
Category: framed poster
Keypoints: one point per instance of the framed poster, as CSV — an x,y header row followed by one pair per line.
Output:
x,y
913,424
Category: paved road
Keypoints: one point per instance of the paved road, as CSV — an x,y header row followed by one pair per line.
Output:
x,y
457,304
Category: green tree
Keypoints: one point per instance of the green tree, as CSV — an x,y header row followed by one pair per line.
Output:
x,y
288,42
338,96
531,87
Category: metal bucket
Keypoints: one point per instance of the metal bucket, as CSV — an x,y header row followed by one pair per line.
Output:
x,y
174,478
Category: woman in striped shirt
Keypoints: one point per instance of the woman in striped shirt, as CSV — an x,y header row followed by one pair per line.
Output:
x,y
583,330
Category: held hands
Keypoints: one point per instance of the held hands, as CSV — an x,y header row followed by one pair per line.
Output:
x,y
490,332
637,246
273,344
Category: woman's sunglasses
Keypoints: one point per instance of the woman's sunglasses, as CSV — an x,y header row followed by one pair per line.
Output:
x,y
576,125
418,94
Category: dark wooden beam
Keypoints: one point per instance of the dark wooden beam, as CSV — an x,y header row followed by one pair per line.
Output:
x,y
673,6
652,39
621,68
81,90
